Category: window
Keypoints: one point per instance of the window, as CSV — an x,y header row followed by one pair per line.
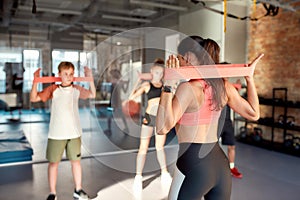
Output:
x,y
78,58
12,55
63,55
31,62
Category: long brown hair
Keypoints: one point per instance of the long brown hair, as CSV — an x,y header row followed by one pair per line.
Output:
x,y
208,53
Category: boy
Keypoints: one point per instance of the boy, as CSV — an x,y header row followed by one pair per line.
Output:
x,y
64,129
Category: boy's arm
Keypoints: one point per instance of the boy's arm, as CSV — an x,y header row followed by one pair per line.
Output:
x,y
88,73
34,97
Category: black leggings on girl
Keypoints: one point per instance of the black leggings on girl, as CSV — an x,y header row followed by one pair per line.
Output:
x,y
203,171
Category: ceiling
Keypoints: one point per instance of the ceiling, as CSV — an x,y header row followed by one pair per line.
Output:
x,y
96,16
47,17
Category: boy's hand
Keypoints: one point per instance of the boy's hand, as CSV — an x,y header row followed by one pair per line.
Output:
x,y
88,72
37,73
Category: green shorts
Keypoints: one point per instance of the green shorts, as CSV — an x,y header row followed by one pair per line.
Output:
x,y
55,149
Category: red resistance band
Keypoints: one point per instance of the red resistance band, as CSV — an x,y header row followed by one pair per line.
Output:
x,y
51,79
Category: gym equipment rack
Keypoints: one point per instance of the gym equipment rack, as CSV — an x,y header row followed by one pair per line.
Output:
x,y
290,143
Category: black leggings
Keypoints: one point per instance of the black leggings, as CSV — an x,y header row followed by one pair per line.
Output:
x,y
149,120
206,170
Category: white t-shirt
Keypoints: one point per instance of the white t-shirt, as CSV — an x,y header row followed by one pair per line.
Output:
x,y
64,120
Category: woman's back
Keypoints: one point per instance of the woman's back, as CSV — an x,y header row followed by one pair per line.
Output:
x,y
199,121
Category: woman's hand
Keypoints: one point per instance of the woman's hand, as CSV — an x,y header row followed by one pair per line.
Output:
x,y
172,63
253,65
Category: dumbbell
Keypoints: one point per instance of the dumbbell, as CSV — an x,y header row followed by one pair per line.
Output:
x,y
257,134
243,132
281,119
296,143
290,120
288,140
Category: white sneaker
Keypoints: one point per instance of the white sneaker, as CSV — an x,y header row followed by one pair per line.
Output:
x,y
80,195
165,179
137,185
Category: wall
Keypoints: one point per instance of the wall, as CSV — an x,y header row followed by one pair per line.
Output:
x,y
203,22
236,34
278,37
209,24
154,43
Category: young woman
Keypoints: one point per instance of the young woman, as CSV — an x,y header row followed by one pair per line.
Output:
x,y
153,91
202,167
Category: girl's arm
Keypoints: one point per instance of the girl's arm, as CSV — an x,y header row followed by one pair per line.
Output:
x,y
139,91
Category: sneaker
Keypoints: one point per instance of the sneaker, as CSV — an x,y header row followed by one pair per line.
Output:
x,y
80,194
137,185
51,197
165,179
235,173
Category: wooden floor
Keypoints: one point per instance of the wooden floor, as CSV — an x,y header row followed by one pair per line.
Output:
x,y
109,164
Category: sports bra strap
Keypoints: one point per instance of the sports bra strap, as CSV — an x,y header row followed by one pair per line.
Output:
x,y
206,114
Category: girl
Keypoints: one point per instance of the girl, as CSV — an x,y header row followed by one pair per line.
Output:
x,y
153,91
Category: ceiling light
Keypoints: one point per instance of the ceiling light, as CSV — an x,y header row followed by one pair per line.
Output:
x,y
97,26
52,10
132,19
159,5
143,12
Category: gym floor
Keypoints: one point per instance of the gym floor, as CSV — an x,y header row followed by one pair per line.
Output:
x,y
109,162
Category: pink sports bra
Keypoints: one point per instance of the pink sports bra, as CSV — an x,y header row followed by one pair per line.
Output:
x,y
206,114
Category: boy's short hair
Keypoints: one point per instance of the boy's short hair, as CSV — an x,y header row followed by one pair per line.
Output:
x,y
159,62
65,65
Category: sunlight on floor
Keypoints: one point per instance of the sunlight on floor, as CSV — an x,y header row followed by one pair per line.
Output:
x,y
123,190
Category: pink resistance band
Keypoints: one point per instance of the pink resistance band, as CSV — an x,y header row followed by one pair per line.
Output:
x,y
51,79
209,71
204,71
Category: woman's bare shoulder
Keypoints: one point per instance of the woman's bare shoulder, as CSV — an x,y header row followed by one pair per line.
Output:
x,y
188,86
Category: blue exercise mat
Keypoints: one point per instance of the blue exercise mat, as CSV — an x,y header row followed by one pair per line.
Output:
x,y
14,147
